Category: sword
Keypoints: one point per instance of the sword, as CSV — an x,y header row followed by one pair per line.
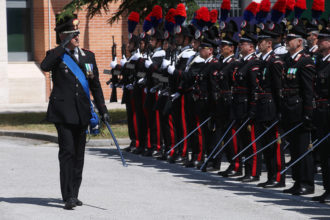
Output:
x,y
116,143
223,147
282,136
307,152
242,151
188,135
287,143
216,146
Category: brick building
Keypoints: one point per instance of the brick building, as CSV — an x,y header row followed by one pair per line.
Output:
x,y
30,33
27,32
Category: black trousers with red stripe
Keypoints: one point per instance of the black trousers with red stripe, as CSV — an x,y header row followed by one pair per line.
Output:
x,y
195,140
177,122
153,120
273,155
243,139
203,138
142,117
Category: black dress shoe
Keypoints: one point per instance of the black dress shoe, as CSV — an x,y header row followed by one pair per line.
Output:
x,y
148,153
268,182
189,163
156,153
275,185
292,189
179,159
230,173
128,149
70,204
138,150
198,164
249,179
170,159
303,191
78,202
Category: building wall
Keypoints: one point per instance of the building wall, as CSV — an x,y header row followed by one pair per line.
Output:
x,y
95,35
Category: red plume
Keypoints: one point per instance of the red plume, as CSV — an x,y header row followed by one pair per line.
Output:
x,y
301,4
280,6
170,15
265,6
253,7
181,10
157,12
318,5
134,16
290,4
203,14
214,16
225,4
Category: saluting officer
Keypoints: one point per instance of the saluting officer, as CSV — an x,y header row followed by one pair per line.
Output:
x,y
69,107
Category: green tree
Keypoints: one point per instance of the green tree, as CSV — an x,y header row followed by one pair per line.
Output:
x,y
142,6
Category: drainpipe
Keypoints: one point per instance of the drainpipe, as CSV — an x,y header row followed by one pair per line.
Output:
x,y
49,25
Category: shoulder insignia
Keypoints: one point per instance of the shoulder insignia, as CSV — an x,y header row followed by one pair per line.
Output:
x,y
86,50
255,68
298,57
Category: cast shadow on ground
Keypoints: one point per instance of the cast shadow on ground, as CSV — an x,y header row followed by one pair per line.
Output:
x,y
213,181
49,202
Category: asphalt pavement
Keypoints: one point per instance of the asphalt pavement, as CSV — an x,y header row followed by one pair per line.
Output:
x,y
146,189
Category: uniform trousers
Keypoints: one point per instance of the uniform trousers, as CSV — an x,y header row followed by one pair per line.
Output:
x,y
71,140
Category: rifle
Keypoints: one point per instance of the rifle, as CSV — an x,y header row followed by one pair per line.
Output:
x,y
114,73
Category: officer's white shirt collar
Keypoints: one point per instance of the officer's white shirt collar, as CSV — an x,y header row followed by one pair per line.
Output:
x,y
294,55
313,48
76,54
227,58
264,57
208,59
248,56
326,57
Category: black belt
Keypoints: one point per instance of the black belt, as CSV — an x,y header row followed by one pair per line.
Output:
x,y
241,90
290,92
263,96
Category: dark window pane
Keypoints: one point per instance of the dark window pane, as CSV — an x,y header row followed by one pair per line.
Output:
x,y
19,29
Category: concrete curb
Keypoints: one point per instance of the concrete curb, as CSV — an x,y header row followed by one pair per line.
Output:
x,y
53,138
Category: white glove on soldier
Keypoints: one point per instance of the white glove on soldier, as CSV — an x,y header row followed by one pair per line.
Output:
x,y
113,64
123,61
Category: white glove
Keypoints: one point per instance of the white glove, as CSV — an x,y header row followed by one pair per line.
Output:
x,y
147,63
123,61
165,64
136,56
113,64
171,69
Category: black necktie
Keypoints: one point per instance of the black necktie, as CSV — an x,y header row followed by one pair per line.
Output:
x,y
72,52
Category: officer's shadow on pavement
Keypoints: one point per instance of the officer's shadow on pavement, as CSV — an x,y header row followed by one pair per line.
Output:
x,y
289,202
49,202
